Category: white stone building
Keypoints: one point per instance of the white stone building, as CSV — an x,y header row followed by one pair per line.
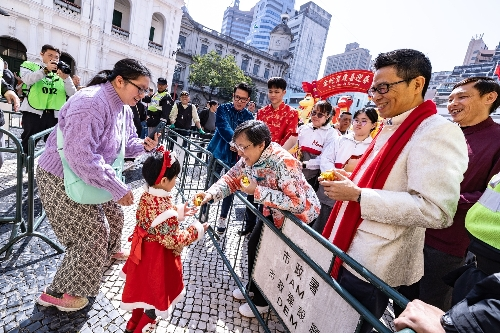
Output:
x,y
196,39
93,34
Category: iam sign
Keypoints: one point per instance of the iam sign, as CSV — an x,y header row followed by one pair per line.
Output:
x,y
356,80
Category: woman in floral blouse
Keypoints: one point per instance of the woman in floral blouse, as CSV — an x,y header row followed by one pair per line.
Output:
x,y
277,183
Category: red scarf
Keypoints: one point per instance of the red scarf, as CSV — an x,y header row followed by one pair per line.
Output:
x,y
374,177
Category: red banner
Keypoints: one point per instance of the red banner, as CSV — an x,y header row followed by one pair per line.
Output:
x,y
356,80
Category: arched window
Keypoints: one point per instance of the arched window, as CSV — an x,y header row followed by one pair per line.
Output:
x,y
156,32
121,19
12,51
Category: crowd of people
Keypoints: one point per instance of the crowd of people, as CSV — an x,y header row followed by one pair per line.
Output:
x,y
412,195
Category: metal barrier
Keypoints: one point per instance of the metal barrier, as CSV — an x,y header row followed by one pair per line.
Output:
x,y
28,161
198,172
190,185
16,220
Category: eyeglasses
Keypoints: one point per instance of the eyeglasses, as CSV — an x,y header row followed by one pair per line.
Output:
x,y
142,91
240,99
240,148
383,88
362,122
318,114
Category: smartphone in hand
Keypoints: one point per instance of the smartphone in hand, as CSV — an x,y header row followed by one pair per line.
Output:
x,y
159,128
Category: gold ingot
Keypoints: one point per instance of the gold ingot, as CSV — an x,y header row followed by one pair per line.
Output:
x,y
198,200
327,175
245,181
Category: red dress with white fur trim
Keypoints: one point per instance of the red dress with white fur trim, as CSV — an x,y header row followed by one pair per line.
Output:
x,y
153,271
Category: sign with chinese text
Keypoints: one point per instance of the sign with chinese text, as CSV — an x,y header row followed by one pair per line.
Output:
x,y
356,80
303,300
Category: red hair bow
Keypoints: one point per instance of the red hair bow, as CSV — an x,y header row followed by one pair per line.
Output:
x,y
168,160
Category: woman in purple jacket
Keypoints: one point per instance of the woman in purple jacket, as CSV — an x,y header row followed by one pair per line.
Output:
x,y
91,123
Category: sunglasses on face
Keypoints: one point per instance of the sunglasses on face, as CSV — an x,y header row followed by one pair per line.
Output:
x,y
318,114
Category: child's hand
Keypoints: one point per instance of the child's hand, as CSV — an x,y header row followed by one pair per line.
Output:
x,y
206,197
189,210
205,226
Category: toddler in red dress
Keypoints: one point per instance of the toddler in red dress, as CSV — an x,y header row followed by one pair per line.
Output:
x,y
153,271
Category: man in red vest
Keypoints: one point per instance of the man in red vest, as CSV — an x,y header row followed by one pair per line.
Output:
x,y
408,180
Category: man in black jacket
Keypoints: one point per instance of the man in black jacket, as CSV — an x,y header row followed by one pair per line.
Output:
x,y
160,105
207,122
182,115
479,312
207,117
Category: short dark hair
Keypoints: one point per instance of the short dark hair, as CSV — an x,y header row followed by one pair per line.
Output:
x,y
483,85
371,113
212,103
346,113
277,83
152,167
255,130
408,63
50,47
128,69
243,86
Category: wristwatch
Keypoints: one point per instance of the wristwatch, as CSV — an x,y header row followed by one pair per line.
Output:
x,y
447,323
359,198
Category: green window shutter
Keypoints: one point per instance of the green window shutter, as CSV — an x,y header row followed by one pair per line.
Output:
x,y
117,18
151,33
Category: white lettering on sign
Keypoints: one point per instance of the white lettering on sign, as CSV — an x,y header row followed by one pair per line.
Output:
x,y
303,300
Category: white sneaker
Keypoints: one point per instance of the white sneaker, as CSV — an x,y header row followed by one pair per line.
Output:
x,y
239,295
245,310
221,225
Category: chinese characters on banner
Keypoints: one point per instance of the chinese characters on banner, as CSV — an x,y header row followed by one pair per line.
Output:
x,y
356,80
303,300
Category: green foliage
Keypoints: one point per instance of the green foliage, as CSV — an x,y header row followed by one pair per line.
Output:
x,y
216,75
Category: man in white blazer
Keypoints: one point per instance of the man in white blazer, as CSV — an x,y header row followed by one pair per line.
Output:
x,y
408,181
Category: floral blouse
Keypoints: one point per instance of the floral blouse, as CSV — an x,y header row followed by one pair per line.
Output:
x,y
281,185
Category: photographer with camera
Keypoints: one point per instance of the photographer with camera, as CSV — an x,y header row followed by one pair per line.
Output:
x,y
47,85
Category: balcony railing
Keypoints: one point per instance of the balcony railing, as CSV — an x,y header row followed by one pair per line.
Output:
x,y
67,7
119,32
155,47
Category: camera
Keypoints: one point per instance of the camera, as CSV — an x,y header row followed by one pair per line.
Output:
x,y
64,67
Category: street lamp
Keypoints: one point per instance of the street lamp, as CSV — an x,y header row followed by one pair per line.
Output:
x,y
179,46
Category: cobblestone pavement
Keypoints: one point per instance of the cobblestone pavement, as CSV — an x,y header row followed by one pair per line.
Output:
x,y
207,307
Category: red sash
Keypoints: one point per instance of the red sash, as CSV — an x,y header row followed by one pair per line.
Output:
x,y
374,177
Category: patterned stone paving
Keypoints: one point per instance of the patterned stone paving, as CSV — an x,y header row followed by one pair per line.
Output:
x,y
207,307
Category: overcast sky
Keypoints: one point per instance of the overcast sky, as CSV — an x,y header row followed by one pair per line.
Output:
x,y
441,29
